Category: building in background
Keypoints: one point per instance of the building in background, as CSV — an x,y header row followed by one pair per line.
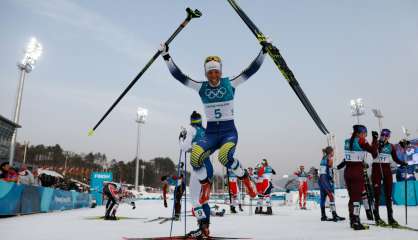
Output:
x,y
7,127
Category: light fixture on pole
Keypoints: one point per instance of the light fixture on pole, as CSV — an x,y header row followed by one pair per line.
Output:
x,y
378,114
32,53
357,108
142,114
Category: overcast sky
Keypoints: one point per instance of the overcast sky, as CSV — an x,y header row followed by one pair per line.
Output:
x,y
338,50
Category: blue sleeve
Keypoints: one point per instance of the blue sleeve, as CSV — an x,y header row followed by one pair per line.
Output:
x,y
249,71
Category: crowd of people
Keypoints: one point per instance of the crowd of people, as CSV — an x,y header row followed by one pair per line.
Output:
x,y
30,175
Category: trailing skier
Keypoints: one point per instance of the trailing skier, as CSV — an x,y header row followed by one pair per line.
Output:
x,y
303,178
200,209
180,186
217,95
264,187
381,172
326,184
111,191
356,149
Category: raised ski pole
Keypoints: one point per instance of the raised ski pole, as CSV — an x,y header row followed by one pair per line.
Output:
x,y
281,64
190,15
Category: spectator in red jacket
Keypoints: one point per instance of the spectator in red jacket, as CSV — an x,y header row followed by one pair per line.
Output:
x,y
8,174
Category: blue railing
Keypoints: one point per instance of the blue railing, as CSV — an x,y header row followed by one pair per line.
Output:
x,y
24,199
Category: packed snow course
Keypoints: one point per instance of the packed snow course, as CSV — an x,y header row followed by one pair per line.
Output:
x,y
288,222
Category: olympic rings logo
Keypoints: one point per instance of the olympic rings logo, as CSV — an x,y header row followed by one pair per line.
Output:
x,y
215,93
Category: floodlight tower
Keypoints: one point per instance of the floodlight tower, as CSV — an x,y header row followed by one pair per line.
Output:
x,y
32,53
357,108
378,114
142,114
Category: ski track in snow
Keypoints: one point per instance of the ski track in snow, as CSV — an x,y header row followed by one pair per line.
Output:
x,y
287,223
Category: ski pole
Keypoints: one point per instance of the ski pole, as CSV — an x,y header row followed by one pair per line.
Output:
x,y
406,195
185,193
281,64
190,15
175,193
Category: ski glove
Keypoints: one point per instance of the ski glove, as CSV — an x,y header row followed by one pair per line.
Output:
x,y
183,134
266,42
375,135
164,51
404,164
165,203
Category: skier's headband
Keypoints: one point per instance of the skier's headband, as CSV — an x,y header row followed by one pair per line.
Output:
x,y
359,129
385,132
195,121
213,65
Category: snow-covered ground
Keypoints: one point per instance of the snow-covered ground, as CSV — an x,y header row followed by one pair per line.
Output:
x,y
287,223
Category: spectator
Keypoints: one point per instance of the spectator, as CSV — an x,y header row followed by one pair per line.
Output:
x,y
36,180
8,174
25,176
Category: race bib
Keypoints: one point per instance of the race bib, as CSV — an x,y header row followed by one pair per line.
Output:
x,y
220,111
199,213
323,170
355,156
383,158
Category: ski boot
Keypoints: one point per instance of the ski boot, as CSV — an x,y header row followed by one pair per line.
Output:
x,y
378,220
269,211
233,209
248,185
176,217
356,224
337,218
201,233
324,215
133,205
221,213
391,221
240,207
258,210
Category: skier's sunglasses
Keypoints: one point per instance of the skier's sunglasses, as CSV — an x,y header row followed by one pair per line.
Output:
x,y
213,58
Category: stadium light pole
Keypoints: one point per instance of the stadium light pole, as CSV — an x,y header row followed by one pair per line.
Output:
x,y
32,53
143,174
357,108
378,114
142,114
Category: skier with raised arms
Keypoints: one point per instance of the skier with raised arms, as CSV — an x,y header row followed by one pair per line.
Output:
x,y
326,184
381,171
356,149
217,96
